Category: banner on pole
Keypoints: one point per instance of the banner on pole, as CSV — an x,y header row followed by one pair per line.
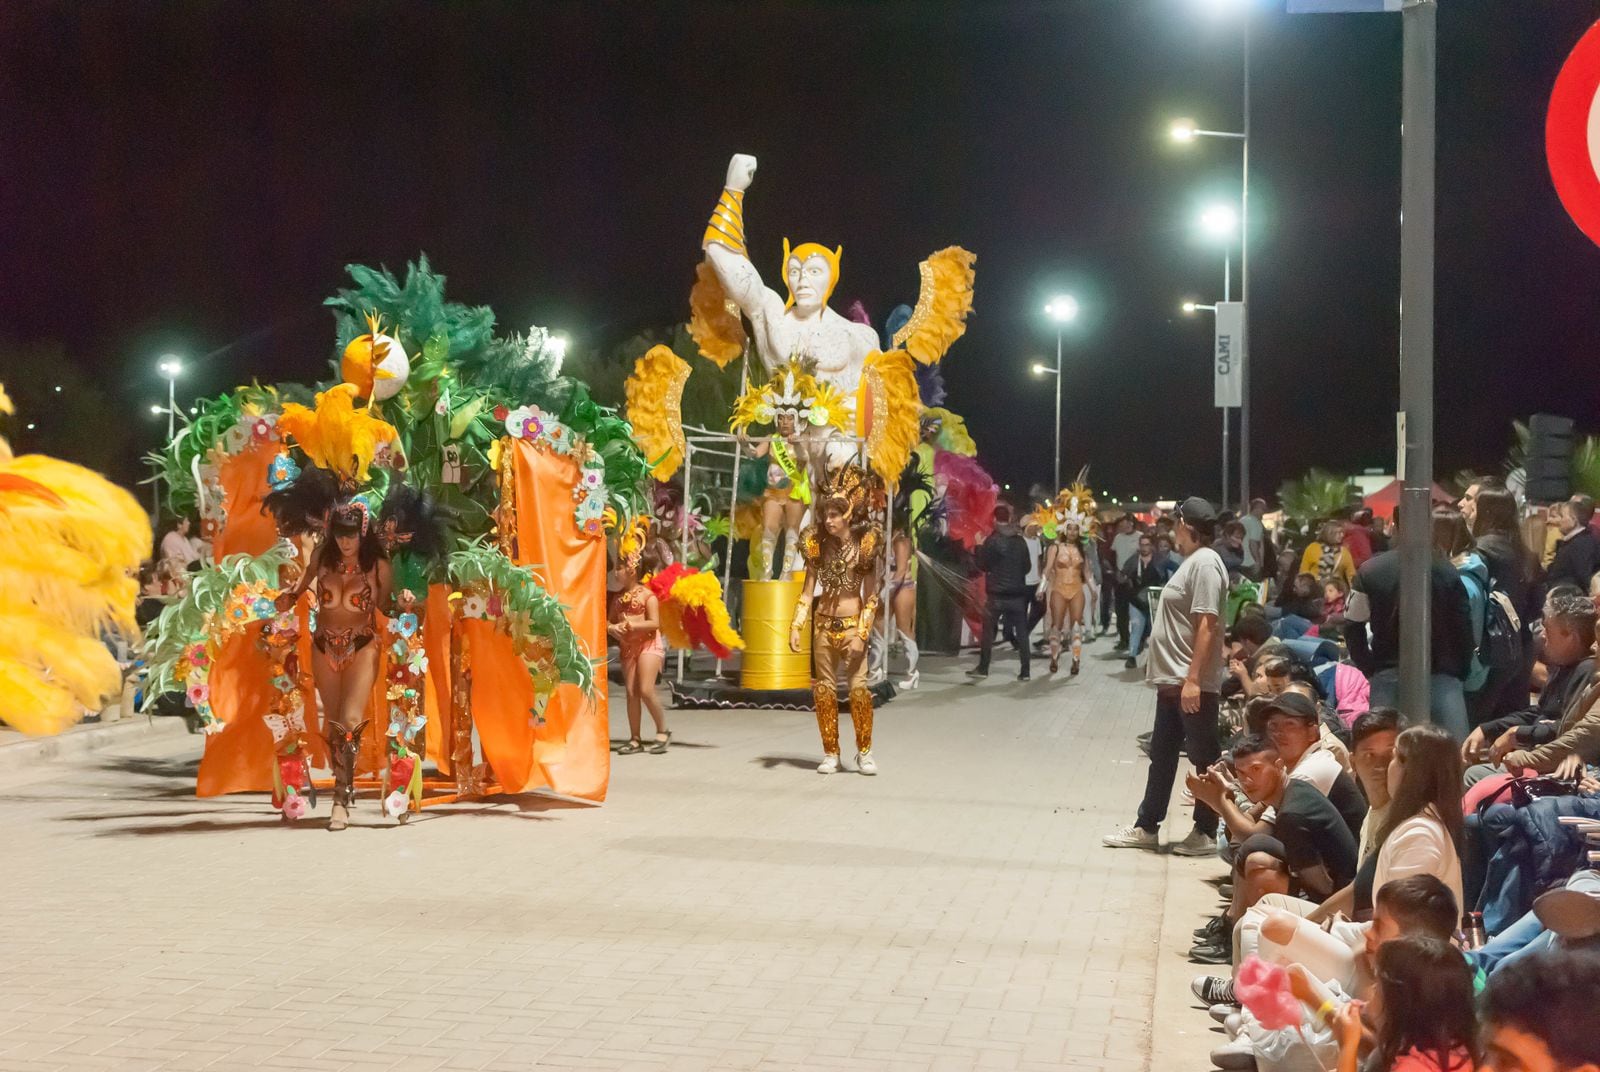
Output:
x,y
1228,355
1339,7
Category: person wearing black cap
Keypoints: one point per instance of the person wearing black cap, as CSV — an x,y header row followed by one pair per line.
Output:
x,y
1184,664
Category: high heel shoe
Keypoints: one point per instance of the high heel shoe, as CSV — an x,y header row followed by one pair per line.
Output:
x,y
911,680
1055,663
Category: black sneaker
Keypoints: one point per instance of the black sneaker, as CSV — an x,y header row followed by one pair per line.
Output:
x,y
1218,952
1213,990
1130,664
1024,677
1217,925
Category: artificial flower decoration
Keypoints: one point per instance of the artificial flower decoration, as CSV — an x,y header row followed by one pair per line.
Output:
x,y
474,606
264,607
261,429
199,693
294,807
282,473
197,656
396,804
407,624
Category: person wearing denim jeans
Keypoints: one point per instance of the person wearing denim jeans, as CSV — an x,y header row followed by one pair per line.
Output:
x,y
1185,666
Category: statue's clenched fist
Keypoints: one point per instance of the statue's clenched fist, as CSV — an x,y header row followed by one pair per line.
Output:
x,y
741,169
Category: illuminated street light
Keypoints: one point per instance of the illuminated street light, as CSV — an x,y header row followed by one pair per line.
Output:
x,y
1220,221
1062,308
156,410
1183,130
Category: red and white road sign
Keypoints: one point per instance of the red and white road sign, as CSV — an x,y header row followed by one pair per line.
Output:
x,y
1572,134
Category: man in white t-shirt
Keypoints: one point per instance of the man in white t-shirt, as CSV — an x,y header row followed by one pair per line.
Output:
x,y
1185,666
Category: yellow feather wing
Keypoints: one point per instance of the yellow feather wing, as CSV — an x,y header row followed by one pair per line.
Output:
x,y
887,410
713,320
655,408
943,305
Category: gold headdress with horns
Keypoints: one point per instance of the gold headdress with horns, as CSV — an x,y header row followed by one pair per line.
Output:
x,y
791,390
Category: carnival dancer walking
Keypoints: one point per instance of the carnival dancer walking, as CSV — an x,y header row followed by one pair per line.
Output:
x,y
841,578
1066,577
352,578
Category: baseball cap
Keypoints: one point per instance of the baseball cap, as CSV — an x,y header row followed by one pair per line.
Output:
x,y
1194,508
1292,704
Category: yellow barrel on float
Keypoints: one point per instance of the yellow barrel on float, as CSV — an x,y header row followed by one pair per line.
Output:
x,y
767,662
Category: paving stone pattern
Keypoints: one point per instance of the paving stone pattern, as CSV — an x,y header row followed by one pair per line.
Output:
x,y
728,908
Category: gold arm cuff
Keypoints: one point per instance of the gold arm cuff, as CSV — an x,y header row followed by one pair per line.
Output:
x,y
726,226
868,613
802,613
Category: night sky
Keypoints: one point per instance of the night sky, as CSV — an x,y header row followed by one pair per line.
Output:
x,y
194,177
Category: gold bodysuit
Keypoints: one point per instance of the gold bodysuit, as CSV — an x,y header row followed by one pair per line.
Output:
x,y
839,566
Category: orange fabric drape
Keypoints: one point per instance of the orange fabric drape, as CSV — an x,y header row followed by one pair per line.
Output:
x,y
244,484
436,642
571,752
240,758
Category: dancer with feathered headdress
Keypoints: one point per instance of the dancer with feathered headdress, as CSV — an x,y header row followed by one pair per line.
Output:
x,y
842,555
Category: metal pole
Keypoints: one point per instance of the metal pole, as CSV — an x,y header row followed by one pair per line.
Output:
x,y
1057,485
683,546
1418,76
172,406
1227,295
1244,283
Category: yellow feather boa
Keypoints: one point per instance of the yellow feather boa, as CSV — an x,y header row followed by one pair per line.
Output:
x,y
953,434
943,304
713,322
655,408
67,566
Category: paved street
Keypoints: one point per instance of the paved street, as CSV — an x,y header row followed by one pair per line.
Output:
x,y
727,908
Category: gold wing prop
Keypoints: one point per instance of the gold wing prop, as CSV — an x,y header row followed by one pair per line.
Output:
x,y
943,304
655,409
888,406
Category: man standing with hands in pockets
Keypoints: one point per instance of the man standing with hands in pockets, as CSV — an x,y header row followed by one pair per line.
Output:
x,y
1185,666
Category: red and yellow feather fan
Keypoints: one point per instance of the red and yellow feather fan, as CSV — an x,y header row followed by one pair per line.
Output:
x,y
692,612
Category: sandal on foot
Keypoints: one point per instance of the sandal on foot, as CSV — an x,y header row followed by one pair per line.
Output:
x,y
658,747
633,747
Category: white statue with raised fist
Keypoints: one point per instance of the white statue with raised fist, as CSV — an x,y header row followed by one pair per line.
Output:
x,y
802,327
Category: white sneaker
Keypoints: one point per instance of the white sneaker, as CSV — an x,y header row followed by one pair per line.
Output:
x,y
1196,844
865,763
1220,1013
829,764
1131,837
1234,1023
1238,1054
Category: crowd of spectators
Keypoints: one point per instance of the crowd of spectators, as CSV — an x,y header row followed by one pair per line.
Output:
x,y
1416,885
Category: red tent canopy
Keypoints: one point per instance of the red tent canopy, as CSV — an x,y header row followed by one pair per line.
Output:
x,y
1386,500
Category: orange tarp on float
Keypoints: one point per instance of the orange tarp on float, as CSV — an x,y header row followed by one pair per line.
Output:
x,y
240,758
571,751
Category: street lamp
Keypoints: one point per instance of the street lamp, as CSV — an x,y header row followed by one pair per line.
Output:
x,y
171,367
1185,132
1063,309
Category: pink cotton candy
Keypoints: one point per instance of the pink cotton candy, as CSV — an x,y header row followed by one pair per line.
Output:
x,y
1264,990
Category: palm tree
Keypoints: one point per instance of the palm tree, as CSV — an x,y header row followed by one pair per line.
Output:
x,y
1318,494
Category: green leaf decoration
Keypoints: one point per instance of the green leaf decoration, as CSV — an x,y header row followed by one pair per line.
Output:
x,y
521,594
184,623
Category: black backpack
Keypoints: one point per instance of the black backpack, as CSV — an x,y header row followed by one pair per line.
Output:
x,y
1501,648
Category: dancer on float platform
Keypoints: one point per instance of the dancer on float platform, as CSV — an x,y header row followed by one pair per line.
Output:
x,y
842,560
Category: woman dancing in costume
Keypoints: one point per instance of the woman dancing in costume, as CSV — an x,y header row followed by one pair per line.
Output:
x,y
634,617
352,578
1066,575
841,558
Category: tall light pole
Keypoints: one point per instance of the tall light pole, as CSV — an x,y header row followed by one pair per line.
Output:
x,y
1063,309
1220,222
1184,131
171,367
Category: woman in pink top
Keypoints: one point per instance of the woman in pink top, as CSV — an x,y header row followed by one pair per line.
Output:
x,y
1421,1013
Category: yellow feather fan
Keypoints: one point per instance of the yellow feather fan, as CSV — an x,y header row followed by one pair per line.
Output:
x,y
888,406
655,408
943,304
713,319
336,435
70,543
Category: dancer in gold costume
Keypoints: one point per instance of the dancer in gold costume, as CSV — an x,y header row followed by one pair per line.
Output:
x,y
841,555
